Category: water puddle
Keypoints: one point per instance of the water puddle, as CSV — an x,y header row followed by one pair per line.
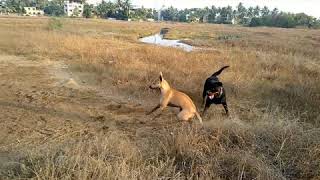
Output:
x,y
158,39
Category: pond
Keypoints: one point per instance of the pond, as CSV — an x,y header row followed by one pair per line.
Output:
x,y
158,39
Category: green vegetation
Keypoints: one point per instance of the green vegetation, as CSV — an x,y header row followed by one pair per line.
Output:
x,y
253,16
285,20
123,10
54,24
87,11
54,8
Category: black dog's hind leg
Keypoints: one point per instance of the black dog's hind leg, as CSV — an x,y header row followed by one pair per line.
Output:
x,y
225,106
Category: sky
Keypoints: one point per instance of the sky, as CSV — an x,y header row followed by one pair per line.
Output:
x,y
310,7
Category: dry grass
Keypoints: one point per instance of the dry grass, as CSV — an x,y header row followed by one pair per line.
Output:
x,y
273,91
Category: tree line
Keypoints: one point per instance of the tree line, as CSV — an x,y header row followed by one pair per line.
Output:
x,y
122,9
252,16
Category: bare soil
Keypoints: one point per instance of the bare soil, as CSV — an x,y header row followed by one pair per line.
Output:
x,y
43,99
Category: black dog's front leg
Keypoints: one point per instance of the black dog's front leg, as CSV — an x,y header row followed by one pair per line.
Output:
x,y
225,106
154,109
207,105
204,97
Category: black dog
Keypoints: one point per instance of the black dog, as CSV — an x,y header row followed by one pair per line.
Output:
x,y
213,92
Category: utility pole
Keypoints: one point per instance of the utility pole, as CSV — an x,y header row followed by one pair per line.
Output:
x,y
160,11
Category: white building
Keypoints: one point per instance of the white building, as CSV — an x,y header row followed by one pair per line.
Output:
x,y
94,2
33,11
72,8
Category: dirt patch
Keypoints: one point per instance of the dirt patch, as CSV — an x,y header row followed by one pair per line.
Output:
x,y
43,99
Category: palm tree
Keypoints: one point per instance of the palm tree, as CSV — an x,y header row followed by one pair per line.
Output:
x,y
275,12
126,7
242,13
250,12
265,11
256,11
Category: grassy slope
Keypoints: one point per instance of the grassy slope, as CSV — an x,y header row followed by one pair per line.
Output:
x,y
273,91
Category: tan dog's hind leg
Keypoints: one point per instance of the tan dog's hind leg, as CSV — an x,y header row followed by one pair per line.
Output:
x,y
185,115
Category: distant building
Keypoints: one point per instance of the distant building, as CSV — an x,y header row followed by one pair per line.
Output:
x,y
72,8
33,11
94,2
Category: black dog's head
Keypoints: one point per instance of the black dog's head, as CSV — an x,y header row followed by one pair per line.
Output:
x,y
215,90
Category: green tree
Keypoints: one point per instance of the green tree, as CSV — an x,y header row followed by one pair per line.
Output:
x,y
241,14
303,19
265,11
123,9
40,3
54,8
126,5
250,12
182,15
17,5
275,12
284,20
256,21
141,13
87,11
256,11
226,15
106,9
212,14
170,14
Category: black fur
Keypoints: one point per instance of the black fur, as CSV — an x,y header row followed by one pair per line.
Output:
x,y
214,86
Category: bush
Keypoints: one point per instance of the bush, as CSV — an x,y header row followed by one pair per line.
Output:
x,y
256,22
281,20
54,24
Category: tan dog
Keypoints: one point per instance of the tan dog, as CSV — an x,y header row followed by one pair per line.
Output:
x,y
173,98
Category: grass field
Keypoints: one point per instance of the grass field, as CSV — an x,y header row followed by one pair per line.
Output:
x,y
74,92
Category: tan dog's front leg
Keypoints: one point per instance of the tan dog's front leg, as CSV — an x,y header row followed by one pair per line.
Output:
x,y
164,103
154,109
162,106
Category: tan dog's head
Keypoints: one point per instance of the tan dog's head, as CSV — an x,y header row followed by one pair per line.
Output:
x,y
162,84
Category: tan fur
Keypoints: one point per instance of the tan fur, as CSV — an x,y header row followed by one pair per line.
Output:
x,y
175,98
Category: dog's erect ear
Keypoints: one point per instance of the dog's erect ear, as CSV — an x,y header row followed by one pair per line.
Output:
x,y
161,77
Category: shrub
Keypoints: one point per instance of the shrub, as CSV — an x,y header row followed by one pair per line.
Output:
x,y
54,24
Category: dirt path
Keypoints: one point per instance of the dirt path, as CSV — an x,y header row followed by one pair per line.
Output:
x,y
41,100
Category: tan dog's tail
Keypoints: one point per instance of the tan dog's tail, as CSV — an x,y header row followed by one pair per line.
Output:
x,y
199,117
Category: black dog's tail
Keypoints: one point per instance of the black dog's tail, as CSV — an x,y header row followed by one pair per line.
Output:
x,y
219,72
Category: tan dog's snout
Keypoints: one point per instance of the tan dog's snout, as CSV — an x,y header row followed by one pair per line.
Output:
x,y
157,85
154,86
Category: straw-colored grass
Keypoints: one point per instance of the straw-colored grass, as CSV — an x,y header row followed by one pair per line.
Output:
x,y
272,88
